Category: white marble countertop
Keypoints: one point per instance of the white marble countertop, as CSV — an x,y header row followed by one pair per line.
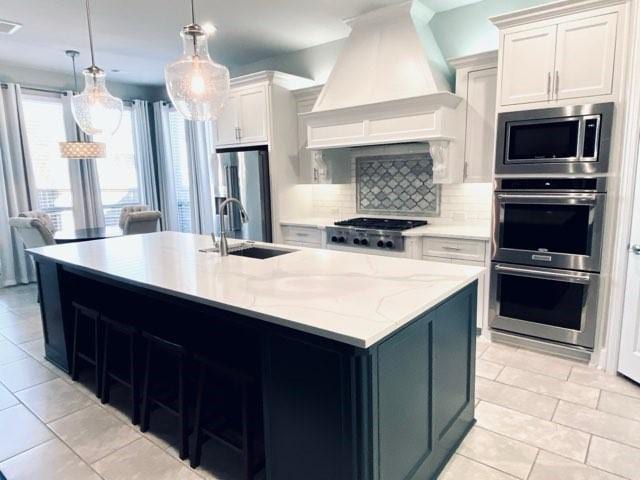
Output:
x,y
449,230
349,297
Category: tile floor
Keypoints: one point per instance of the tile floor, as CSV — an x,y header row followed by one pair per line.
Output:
x,y
539,418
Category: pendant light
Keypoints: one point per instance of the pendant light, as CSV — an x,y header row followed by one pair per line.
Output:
x,y
95,110
197,86
79,150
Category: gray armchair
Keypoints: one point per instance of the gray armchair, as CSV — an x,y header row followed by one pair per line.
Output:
x,y
32,231
42,216
141,222
126,211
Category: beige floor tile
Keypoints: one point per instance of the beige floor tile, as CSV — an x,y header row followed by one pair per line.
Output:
x,y
622,405
8,318
540,433
50,460
553,467
143,460
481,346
24,331
507,455
10,352
20,430
598,423
7,399
93,433
597,378
28,310
515,398
35,348
23,374
531,361
488,370
16,300
615,457
53,400
552,387
462,468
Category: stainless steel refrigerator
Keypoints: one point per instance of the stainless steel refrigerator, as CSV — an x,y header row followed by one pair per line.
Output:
x,y
243,173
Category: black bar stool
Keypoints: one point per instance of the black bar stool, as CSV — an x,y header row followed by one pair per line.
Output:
x,y
91,329
157,392
243,438
112,365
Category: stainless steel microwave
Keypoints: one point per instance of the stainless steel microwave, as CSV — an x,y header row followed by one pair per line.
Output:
x,y
569,140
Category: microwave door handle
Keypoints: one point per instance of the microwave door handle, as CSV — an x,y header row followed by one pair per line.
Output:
x,y
576,277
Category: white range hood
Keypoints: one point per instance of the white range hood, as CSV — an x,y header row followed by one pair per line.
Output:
x,y
389,85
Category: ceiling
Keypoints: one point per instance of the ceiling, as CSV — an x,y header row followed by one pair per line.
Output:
x,y
138,37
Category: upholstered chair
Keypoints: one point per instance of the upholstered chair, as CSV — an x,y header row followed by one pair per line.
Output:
x,y
142,222
130,209
42,216
32,231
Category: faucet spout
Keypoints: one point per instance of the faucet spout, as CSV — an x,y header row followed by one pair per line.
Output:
x,y
244,217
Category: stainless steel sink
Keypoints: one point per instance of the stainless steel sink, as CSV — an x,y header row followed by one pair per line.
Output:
x,y
260,252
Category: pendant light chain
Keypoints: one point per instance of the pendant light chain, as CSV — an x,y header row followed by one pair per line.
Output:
x,y
75,75
93,60
193,12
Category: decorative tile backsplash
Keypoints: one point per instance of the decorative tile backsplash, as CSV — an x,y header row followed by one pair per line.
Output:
x,y
398,184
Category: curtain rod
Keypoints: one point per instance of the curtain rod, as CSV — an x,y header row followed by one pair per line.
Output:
x,y
51,90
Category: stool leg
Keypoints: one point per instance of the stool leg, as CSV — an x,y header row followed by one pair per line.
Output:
x,y
247,437
96,346
106,383
74,360
144,423
182,410
135,394
196,455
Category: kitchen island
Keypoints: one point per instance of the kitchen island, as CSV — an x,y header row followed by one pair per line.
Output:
x,y
367,363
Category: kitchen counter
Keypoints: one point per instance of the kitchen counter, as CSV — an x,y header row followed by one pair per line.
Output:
x,y
353,354
447,230
352,298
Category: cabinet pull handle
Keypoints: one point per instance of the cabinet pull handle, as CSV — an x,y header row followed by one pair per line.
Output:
x,y
453,249
548,83
298,234
557,83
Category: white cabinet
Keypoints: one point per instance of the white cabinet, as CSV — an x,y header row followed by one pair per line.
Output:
x,y
563,58
528,60
245,118
476,83
585,57
302,236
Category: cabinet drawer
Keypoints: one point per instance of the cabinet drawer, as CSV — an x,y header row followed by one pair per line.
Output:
x,y
453,248
307,235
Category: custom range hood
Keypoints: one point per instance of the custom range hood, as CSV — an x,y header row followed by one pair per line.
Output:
x,y
389,85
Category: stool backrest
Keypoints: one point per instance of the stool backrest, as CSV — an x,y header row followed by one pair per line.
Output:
x,y
142,222
43,216
128,210
32,232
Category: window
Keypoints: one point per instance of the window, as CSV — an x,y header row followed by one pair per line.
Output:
x,y
44,123
180,170
118,173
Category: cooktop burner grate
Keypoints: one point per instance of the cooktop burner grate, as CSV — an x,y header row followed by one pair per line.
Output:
x,y
381,223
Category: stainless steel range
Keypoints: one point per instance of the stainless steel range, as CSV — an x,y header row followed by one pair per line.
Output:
x,y
380,234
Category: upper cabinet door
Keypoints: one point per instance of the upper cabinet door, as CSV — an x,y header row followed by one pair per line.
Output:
x,y
227,123
528,65
481,121
585,57
253,115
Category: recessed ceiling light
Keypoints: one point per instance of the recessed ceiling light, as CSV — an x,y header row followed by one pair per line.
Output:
x,y
210,28
8,28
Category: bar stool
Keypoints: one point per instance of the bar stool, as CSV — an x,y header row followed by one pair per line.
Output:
x,y
154,392
219,428
81,313
125,375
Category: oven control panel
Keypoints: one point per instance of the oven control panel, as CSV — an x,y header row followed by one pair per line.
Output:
x,y
362,238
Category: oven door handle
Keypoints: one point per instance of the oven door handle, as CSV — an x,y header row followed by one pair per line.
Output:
x,y
582,197
576,277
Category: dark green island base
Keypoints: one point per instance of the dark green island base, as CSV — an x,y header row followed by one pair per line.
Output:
x,y
332,411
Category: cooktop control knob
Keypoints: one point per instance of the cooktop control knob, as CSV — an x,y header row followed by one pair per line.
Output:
x,y
389,244
364,241
356,241
380,243
341,239
334,239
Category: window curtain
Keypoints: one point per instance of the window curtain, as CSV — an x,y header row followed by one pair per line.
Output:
x,y
166,186
15,194
199,150
143,150
85,186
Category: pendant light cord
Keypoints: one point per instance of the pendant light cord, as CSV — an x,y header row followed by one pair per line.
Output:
x,y
75,75
93,60
193,12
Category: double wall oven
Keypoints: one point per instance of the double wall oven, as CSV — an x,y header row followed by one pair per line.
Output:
x,y
548,227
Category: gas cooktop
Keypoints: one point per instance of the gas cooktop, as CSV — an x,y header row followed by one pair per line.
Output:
x,y
396,224
373,233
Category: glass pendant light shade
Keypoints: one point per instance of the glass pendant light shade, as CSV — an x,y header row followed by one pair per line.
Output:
x,y
95,110
197,86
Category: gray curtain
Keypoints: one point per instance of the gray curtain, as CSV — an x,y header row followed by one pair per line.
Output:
x,y
199,151
85,186
144,153
15,194
166,190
